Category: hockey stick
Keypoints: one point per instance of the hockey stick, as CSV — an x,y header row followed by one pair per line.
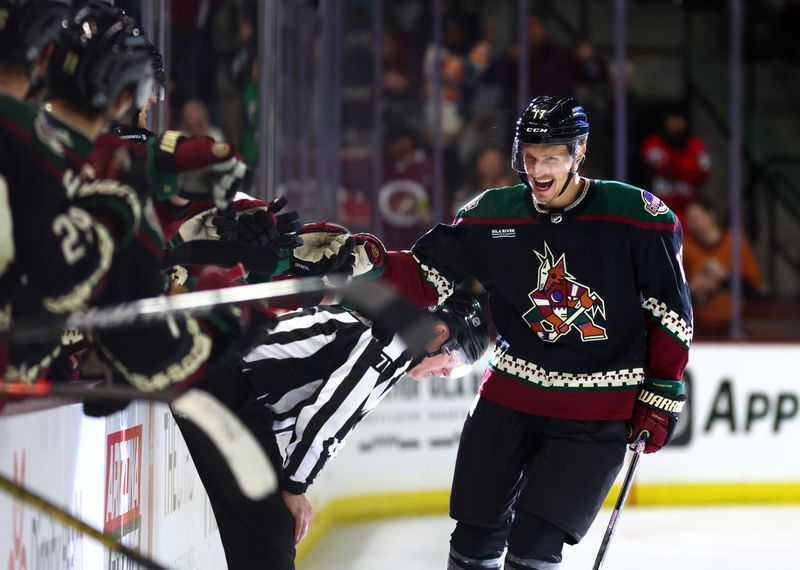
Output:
x,y
234,441
35,500
373,300
637,447
243,454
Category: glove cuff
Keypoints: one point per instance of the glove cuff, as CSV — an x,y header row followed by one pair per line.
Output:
x,y
671,388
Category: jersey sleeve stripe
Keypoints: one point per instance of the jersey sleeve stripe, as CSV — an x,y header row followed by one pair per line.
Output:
x,y
495,221
658,226
438,281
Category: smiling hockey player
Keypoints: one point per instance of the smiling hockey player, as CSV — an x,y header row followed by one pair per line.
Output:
x,y
586,287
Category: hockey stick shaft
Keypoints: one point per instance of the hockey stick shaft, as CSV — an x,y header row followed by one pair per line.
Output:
x,y
162,307
637,447
372,299
35,500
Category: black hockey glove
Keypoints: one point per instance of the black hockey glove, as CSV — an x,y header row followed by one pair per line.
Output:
x,y
269,229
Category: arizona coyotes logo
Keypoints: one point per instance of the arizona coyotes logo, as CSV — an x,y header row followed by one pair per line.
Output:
x,y
560,303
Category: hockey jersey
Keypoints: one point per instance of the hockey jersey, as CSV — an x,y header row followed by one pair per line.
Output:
x,y
587,301
58,225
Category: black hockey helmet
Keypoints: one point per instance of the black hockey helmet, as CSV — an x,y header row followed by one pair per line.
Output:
x,y
100,53
462,314
27,27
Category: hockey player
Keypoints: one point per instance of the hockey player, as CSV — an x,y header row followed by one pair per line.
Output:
x,y
313,378
594,321
57,244
100,68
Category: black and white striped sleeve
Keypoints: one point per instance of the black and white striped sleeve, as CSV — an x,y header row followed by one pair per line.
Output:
x,y
367,367
320,371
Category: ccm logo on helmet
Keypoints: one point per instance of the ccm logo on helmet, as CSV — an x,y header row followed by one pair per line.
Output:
x,y
660,402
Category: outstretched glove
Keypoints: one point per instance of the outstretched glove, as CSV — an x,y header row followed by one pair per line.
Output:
x,y
206,170
265,228
327,248
657,408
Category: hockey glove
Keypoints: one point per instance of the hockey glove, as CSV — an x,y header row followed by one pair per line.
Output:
x,y
205,169
327,248
370,254
269,229
657,407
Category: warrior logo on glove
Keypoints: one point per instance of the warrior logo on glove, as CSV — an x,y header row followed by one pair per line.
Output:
x,y
561,303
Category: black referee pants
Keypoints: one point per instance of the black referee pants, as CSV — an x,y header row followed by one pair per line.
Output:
x,y
256,535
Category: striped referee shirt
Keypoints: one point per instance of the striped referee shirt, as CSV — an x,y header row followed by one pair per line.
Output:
x,y
320,371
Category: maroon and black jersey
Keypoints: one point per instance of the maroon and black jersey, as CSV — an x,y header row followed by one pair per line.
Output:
x,y
587,301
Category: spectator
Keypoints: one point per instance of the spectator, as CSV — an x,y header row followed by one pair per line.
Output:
x,y
401,82
233,49
405,198
463,60
194,121
355,210
492,170
707,261
250,117
552,68
189,19
677,161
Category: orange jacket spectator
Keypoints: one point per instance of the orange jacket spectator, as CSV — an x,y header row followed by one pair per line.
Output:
x,y
707,261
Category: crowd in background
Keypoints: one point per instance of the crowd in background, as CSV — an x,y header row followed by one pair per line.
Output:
x,y
214,90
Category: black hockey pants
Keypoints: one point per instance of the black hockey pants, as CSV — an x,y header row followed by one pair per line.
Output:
x,y
528,483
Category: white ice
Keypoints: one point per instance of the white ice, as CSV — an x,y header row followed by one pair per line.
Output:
x,y
730,538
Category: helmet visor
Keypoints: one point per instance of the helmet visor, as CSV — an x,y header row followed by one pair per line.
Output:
x,y
144,90
517,158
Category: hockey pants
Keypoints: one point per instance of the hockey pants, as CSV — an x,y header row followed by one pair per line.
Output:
x,y
528,484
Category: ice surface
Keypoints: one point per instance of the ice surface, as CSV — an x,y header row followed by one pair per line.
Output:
x,y
733,538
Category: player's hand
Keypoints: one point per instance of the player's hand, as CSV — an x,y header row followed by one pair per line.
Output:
x,y
269,229
302,512
213,277
370,253
657,408
327,249
207,170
